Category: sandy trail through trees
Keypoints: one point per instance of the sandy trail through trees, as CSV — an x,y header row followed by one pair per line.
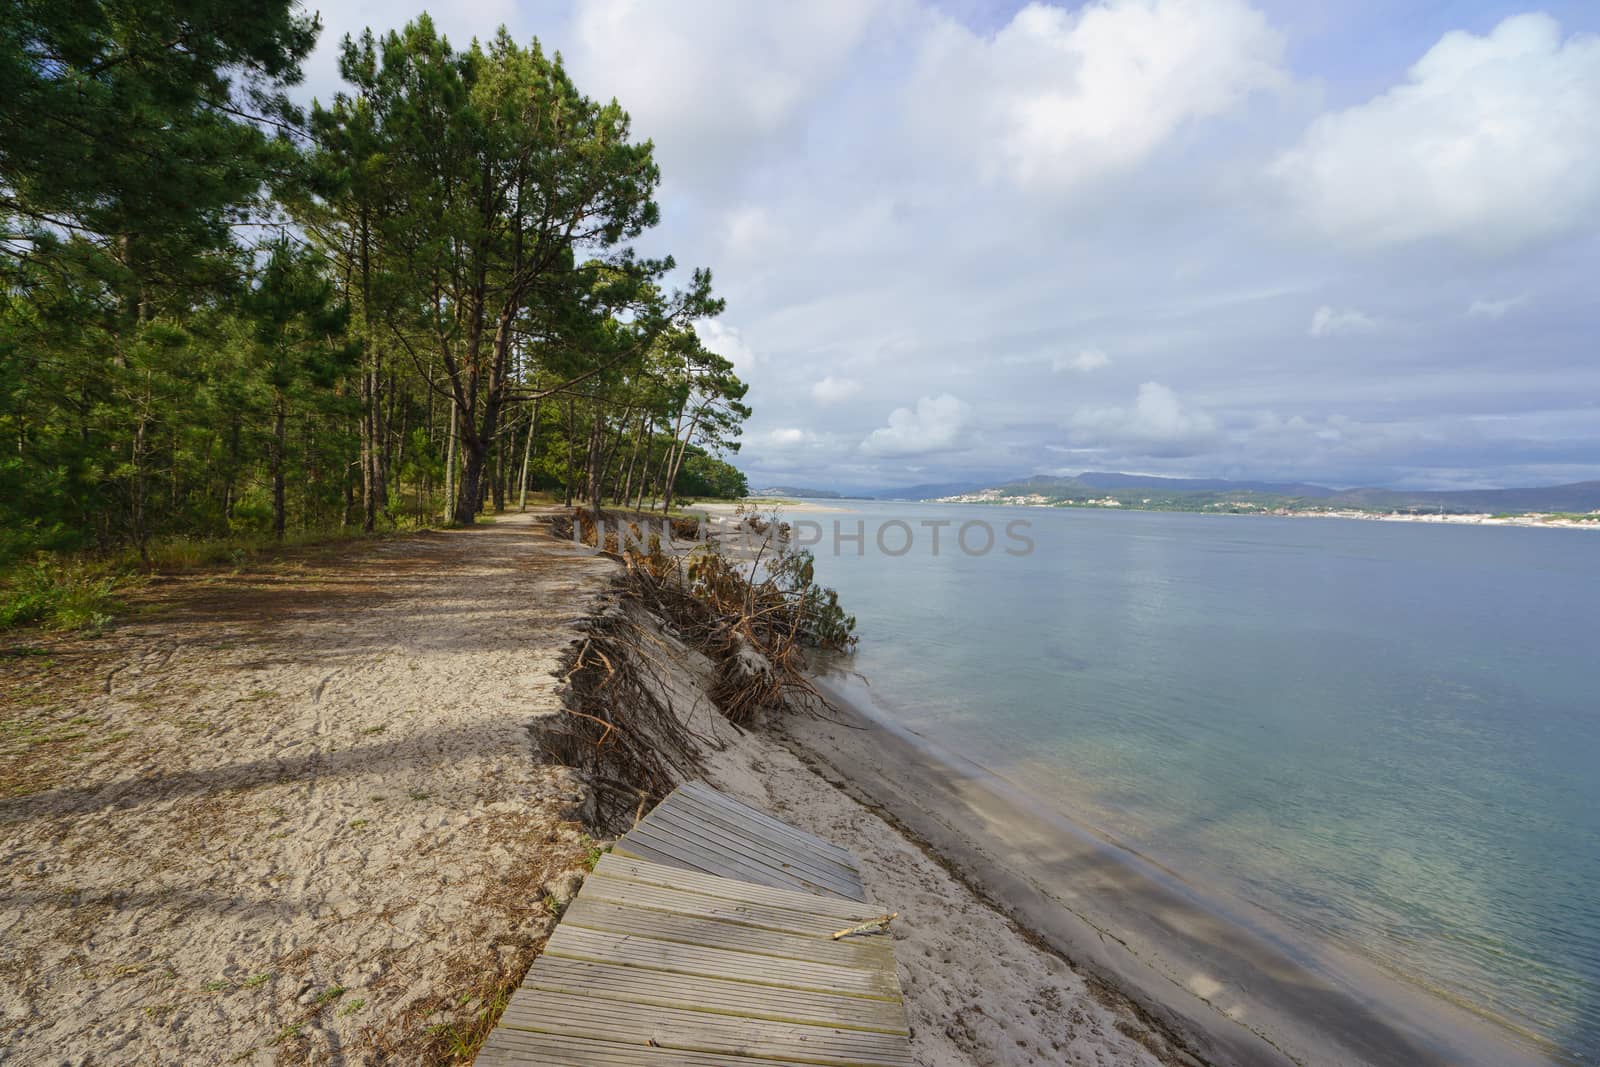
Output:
x,y
291,815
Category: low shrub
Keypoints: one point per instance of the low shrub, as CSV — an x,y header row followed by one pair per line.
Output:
x,y
59,595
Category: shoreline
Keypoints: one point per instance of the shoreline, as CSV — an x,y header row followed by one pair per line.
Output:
x,y
1236,992
979,987
1529,520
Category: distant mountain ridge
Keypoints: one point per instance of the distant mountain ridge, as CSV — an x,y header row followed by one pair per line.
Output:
x,y
794,490
929,491
1572,497
1135,490
1114,480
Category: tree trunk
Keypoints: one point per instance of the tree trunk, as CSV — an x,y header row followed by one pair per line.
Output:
x,y
527,453
682,450
374,487
644,470
280,446
633,461
572,459
450,466
612,452
235,429
474,461
371,400
141,533
596,467
500,472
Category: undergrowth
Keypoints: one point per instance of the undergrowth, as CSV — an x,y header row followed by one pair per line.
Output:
x,y
85,592
59,595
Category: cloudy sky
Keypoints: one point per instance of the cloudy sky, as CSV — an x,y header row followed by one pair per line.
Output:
x,y
1348,241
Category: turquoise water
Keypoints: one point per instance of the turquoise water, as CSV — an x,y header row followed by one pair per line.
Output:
x,y
1387,735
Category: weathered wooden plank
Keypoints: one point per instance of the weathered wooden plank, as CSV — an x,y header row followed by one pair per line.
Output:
x,y
708,799
731,816
507,1047
674,847
677,854
691,992
674,1028
730,864
697,827
753,843
572,942
667,876
703,940
861,952
736,816
635,846
738,839
605,889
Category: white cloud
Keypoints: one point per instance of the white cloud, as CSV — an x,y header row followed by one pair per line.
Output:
x,y
749,230
1158,422
1492,140
1057,98
789,437
1332,322
937,424
711,79
1085,361
831,390
1495,309
726,342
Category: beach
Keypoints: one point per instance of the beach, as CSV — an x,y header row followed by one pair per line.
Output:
x,y
323,831
300,815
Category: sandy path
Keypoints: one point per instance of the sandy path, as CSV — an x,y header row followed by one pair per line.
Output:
x,y
292,816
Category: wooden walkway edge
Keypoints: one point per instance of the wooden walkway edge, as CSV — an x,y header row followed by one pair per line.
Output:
x,y
705,938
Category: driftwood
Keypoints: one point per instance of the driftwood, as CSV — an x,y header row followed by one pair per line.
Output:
x,y
871,926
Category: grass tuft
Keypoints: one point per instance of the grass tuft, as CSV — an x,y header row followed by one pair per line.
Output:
x,y
59,595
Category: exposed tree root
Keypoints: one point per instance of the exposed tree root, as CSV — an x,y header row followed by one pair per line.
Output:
x,y
620,728
753,619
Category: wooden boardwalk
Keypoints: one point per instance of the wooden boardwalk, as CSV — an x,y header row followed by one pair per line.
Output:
x,y
700,829
704,938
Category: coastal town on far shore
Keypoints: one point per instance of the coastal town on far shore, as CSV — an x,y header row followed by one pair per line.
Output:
x,y
1299,510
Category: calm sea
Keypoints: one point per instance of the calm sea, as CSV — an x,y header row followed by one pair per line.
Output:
x,y
1385,734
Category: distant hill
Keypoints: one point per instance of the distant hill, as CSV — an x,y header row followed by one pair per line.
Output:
x,y
931,491
1103,480
793,490
1576,496
1046,484
1147,491
1155,492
